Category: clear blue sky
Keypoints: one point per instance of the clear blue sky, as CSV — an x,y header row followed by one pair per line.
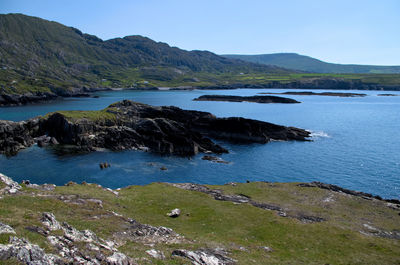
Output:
x,y
341,31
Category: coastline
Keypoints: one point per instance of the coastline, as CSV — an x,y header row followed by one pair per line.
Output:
x,y
314,84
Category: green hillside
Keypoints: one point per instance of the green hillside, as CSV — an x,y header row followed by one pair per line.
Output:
x,y
37,55
308,64
44,55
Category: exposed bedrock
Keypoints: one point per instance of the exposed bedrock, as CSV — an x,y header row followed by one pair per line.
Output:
x,y
17,135
131,125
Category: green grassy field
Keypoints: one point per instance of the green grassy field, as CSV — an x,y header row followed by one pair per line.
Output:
x,y
241,229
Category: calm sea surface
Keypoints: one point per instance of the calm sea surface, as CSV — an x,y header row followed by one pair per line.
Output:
x,y
356,144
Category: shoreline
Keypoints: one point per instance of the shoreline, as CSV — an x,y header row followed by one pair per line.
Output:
x,y
7,100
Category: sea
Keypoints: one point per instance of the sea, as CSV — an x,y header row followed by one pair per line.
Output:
x,y
355,144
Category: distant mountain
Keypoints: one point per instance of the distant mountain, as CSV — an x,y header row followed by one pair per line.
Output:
x,y
305,63
37,53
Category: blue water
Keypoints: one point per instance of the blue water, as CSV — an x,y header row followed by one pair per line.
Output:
x,y
356,144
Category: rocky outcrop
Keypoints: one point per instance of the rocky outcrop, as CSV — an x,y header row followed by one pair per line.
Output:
x,y
11,187
205,256
81,247
17,135
149,234
256,99
132,125
6,229
330,94
24,251
370,230
336,188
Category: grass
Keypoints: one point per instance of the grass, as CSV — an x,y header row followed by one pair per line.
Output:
x,y
93,115
210,223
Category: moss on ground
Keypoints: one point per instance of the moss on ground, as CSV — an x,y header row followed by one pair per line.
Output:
x,y
242,229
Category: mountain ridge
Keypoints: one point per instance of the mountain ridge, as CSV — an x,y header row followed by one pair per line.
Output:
x,y
42,53
300,62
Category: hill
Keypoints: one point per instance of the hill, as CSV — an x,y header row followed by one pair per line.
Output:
x,y
305,63
45,55
41,60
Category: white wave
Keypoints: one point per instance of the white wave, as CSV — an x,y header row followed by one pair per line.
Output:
x,y
319,134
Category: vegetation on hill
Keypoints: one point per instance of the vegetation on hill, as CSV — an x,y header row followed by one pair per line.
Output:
x,y
36,54
308,64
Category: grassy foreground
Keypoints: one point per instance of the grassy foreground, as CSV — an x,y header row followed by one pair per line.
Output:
x,y
242,229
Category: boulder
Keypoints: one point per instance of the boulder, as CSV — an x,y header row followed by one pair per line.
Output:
x,y
174,213
6,229
156,254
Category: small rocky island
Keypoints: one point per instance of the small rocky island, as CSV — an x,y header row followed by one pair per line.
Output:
x,y
309,93
256,99
131,125
387,95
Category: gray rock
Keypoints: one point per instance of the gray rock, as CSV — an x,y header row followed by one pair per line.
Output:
x,y
205,256
74,235
78,253
49,221
27,253
147,234
119,258
267,249
157,254
174,213
12,187
6,229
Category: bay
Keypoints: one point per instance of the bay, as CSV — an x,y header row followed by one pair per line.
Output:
x,y
356,144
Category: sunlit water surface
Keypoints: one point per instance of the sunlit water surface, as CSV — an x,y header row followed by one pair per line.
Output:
x,y
356,144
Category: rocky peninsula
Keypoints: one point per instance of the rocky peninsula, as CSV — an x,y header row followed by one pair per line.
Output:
x,y
19,99
235,223
131,125
256,99
388,95
309,93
